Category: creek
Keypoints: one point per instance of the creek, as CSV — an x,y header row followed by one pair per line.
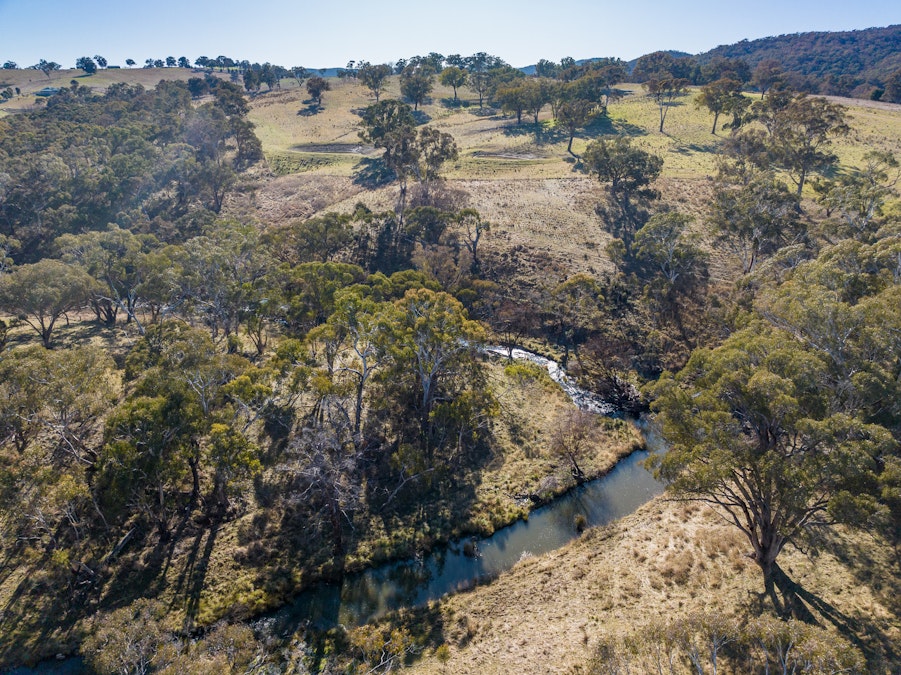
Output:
x,y
372,593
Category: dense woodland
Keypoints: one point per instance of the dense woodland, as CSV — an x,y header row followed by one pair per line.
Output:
x,y
313,397
861,63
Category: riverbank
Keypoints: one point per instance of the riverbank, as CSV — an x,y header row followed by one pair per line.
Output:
x,y
250,565
667,561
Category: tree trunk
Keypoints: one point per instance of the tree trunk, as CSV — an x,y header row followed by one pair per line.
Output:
x,y
195,480
716,116
335,518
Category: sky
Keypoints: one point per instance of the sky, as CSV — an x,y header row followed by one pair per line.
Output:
x,y
319,34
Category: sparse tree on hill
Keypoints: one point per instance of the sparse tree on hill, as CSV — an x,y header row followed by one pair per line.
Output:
x,y
767,73
574,115
101,61
512,99
10,65
86,63
299,73
46,67
130,63
754,434
416,83
316,86
171,62
755,214
455,77
373,77
628,172
183,62
722,96
665,91
800,129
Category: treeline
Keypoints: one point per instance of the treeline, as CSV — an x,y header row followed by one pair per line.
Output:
x,y
151,161
862,63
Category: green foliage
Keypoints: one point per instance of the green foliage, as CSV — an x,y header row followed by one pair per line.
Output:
x,y
840,63
724,96
628,172
453,77
754,214
90,160
754,432
43,292
373,77
416,83
316,87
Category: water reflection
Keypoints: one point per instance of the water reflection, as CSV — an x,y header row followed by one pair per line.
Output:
x,y
371,594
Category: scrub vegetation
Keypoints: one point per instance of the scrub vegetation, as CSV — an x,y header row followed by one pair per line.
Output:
x,y
244,311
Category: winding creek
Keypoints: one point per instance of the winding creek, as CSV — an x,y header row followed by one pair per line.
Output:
x,y
372,593
367,595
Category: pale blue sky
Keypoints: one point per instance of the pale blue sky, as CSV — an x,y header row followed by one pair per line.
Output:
x,y
322,34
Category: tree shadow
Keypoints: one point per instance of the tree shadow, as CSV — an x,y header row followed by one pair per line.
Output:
x,y
541,133
863,633
311,110
485,111
548,133
626,129
454,104
421,117
693,148
190,581
372,173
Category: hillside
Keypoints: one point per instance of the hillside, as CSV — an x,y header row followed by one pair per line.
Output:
x,y
849,63
268,373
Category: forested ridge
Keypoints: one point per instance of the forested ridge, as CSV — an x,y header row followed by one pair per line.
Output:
x,y
206,408
844,63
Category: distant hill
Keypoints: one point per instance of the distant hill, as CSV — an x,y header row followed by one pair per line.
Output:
x,y
672,52
850,63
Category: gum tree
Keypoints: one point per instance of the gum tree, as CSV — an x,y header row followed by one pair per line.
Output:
x,y
752,433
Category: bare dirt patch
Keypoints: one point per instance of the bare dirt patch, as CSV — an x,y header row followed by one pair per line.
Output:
x,y
337,148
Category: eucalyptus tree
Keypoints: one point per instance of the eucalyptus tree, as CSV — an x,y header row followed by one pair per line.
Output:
x,y
627,171
454,77
44,292
373,77
753,435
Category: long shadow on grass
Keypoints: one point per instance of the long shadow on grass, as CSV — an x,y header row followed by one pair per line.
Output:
x,y
26,617
372,173
193,575
862,632
547,133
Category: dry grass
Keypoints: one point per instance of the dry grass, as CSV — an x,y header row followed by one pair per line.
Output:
x,y
518,176
665,560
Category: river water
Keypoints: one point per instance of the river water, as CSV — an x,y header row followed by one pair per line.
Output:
x,y
372,593
367,595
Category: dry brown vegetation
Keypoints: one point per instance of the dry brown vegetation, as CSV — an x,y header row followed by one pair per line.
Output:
x,y
667,560
544,616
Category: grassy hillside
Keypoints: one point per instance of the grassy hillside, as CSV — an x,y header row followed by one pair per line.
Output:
x,y
517,175
547,614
